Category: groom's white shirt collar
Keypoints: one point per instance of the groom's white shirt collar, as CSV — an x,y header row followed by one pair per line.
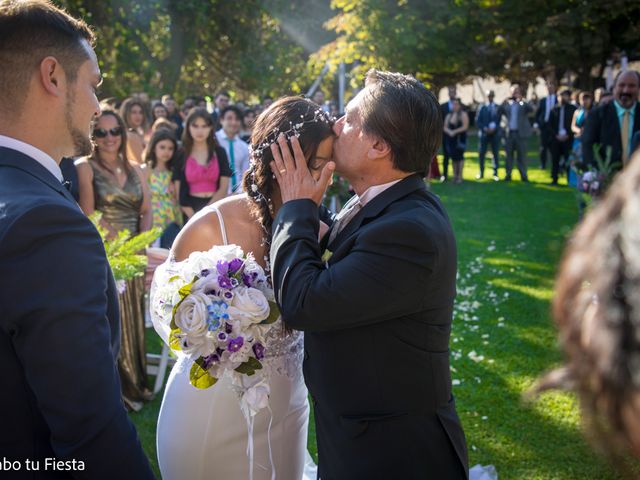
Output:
x,y
375,190
38,155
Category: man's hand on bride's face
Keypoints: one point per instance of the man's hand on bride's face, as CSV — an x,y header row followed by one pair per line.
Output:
x,y
293,175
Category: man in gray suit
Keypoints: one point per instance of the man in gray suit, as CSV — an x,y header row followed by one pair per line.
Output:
x,y
517,131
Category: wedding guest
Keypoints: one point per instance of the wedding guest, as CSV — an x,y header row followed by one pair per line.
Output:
x,y
158,110
518,131
562,141
248,120
597,311
59,328
445,109
160,157
542,121
202,174
266,101
132,113
115,187
613,124
488,123
456,124
173,113
237,150
585,102
163,123
221,101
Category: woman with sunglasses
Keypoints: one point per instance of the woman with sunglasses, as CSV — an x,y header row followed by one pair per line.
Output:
x,y
118,189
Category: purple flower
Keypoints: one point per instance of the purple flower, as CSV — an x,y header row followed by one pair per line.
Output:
x,y
246,279
258,350
228,295
235,265
228,328
210,360
205,272
222,337
235,344
222,267
225,282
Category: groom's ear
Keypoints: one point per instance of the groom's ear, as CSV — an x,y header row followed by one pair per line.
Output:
x,y
379,149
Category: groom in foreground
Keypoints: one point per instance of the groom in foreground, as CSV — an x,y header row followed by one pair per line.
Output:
x,y
61,413
377,315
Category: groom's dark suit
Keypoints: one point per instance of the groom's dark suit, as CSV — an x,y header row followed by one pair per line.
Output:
x,y
59,334
377,322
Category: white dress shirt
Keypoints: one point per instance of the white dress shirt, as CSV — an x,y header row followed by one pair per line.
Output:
x,y
38,155
240,157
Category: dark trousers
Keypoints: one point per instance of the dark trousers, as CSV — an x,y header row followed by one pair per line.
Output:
x,y
546,138
492,140
516,144
558,150
445,158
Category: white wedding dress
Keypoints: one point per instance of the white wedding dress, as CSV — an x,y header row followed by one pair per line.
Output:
x,y
202,434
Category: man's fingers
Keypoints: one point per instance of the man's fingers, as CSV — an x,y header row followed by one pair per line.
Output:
x,y
326,175
285,151
277,160
276,172
298,154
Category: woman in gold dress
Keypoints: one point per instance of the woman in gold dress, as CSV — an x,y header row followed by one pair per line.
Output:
x,y
117,189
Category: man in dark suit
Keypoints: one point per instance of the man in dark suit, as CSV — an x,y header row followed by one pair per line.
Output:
x,y
562,139
488,123
377,315
518,131
445,108
542,121
61,408
613,125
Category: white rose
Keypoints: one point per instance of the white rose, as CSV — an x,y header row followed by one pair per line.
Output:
x,y
192,314
249,306
225,253
198,345
196,262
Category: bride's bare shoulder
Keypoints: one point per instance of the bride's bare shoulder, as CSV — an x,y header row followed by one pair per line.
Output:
x,y
204,231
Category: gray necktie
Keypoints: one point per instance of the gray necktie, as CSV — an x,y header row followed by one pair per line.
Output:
x,y
351,208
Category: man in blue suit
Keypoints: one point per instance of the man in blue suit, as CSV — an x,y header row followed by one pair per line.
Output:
x,y
61,408
488,123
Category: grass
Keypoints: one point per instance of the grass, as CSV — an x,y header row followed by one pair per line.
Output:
x,y
510,238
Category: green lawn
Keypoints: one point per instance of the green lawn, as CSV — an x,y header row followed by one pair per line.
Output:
x,y
510,237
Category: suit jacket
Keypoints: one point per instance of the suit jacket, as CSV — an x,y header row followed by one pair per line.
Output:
x,y
524,127
377,322
602,127
59,334
485,117
541,113
554,121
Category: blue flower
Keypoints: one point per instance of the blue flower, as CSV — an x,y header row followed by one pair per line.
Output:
x,y
217,312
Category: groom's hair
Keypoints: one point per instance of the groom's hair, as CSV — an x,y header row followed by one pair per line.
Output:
x,y
401,111
31,30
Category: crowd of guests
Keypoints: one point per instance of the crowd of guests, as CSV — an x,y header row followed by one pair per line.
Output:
x,y
569,124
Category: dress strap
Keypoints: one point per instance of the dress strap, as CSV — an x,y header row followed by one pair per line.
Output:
x,y
222,229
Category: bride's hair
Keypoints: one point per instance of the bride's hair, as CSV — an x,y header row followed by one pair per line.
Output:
x,y
291,116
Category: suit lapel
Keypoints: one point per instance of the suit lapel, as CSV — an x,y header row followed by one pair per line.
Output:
x,y
16,159
376,205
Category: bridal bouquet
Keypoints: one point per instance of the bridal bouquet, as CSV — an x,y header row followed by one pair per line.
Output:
x,y
218,307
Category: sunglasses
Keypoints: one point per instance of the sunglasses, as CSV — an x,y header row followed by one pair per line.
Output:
x,y
102,133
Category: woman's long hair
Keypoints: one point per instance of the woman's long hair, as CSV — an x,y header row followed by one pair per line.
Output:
x,y
125,112
597,310
187,139
150,152
122,150
279,118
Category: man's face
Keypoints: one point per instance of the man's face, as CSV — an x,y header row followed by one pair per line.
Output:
x,y
552,87
352,144
171,105
565,99
231,123
82,104
626,89
249,119
222,101
452,92
515,92
318,97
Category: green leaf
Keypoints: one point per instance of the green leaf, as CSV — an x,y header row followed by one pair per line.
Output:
x,y
174,341
274,314
199,377
249,367
185,291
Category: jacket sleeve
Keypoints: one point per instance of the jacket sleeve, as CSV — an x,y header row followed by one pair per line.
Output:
x,y
591,136
56,315
367,286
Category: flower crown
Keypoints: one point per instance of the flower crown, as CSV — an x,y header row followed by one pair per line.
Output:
x,y
319,115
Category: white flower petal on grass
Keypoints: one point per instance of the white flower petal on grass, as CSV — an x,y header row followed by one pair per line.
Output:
x,y
455,382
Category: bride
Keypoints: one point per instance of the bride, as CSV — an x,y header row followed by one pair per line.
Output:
x,y
202,434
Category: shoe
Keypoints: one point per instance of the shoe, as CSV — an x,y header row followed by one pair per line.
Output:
x,y
507,178
496,178
554,182
443,179
480,176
